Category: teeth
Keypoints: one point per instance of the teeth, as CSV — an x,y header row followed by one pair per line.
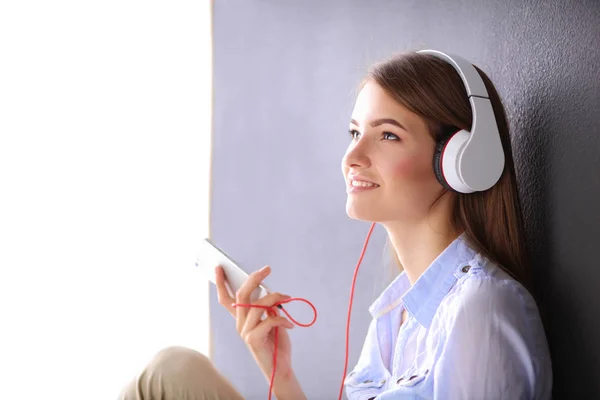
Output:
x,y
363,184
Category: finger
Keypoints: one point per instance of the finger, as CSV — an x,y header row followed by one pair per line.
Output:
x,y
255,314
256,336
242,296
223,295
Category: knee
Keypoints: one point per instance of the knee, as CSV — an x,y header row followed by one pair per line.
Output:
x,y
179,361
179,354
177,364
172,371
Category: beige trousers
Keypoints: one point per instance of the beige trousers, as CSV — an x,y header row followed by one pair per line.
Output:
x,y
178,373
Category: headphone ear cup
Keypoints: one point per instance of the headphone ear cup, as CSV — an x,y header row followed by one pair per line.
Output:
x,y
437,162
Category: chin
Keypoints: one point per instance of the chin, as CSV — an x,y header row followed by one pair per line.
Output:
x,y
368,214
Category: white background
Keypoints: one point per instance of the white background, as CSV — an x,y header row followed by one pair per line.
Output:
x,y
104,166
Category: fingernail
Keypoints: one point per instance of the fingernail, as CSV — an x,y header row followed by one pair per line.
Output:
x,y
263,269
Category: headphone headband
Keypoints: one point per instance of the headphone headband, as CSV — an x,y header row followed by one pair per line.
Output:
x,y
469,75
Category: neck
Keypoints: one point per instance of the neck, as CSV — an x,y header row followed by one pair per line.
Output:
x,y
418,244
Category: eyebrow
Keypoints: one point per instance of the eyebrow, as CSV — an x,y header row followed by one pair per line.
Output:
x,y
382,121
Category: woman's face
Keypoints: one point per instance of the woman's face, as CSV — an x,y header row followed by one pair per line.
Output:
x,y
388,166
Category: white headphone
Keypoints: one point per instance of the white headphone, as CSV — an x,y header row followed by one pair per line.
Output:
x,y
472,161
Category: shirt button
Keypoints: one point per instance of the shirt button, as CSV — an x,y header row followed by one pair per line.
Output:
x,y
466,268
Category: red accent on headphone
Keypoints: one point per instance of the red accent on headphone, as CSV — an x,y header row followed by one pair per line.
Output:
x,y
442,158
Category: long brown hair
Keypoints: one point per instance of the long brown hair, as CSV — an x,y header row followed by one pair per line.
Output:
x,y
492,220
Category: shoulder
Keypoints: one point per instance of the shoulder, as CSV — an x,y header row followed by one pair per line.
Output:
x,y
487,293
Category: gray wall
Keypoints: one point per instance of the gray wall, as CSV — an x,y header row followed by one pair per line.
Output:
x,y
285,74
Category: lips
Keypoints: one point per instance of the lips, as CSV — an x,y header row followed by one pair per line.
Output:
x,y
357,183
356,180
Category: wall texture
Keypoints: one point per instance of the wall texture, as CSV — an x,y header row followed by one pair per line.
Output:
x,y
285,73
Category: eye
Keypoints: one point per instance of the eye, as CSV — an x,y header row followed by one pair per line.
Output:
x,y
354,134
390,136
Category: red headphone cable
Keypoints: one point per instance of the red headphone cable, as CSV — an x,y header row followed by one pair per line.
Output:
x,y
272,311
362,254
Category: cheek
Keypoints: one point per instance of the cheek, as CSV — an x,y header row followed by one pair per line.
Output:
x,y
412,169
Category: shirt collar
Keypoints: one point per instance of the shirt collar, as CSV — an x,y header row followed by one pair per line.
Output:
x,y
424,297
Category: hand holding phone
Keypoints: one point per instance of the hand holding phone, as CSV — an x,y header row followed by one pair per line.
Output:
x,y
257,323
211,256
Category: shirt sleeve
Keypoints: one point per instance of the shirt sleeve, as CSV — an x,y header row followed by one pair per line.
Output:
x,y
487,353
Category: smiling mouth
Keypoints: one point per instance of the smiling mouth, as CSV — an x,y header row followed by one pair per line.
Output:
x,y
363,184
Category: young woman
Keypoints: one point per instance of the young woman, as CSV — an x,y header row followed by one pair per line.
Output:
x,y
459,321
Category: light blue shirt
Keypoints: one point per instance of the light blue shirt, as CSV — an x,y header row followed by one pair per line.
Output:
x,y
472,332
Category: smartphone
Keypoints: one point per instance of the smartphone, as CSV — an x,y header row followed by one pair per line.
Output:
x,y
211,256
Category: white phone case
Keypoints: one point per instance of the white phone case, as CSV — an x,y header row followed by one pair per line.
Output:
x,y
211,256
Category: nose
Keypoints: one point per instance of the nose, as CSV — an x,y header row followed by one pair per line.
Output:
x,y
357,155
